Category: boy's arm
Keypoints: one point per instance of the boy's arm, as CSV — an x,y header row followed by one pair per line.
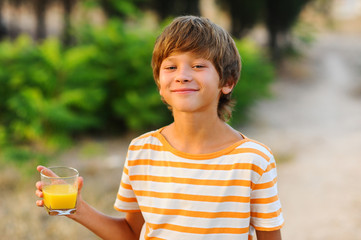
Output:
x,y
107,227
269,235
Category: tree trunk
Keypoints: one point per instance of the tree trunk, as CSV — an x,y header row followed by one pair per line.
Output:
x,y
67,36
273,46
40,7
3,30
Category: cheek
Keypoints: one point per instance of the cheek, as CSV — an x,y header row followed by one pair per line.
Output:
x,y
161,88
161,92
162,85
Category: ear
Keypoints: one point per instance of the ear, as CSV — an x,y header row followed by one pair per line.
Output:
x,y
226,89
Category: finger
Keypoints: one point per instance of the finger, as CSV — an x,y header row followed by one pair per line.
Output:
x,y
45,171
39,194
39,185
40,203
39,168
80,183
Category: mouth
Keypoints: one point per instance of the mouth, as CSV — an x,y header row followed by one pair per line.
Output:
x,y
184,90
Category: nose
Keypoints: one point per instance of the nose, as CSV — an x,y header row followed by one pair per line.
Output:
x,y
183,75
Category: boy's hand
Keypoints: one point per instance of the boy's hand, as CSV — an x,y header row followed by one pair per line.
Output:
x,y
39,188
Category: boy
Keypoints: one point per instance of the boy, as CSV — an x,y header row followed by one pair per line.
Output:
x,y
196,178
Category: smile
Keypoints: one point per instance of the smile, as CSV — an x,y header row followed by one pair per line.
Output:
x,y
184,90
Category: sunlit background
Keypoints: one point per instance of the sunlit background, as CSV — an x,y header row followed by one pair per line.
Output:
x,y
76,86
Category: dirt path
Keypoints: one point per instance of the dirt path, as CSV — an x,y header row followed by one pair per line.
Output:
x,y
313,125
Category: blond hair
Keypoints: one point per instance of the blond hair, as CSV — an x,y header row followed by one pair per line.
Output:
x,y
207,40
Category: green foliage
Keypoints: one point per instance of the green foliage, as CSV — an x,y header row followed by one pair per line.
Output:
x,y
43,99
116,8
123,61
50,93
256,75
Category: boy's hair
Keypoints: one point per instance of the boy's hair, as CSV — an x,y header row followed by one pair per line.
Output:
x,y
207,40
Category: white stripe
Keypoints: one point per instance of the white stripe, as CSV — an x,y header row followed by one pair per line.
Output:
x,y
170,235
267,208
268,223
195,205
237,174
200,222
194,189
126,205
264,193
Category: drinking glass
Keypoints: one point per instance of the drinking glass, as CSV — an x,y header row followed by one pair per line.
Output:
x,y
60,190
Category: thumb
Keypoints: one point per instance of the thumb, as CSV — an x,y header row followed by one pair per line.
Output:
x,y
45,171
80,184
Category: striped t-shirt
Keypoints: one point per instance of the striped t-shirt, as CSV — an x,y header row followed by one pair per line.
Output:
x,y
222,195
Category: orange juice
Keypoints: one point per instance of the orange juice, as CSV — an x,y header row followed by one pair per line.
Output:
x,y
60,196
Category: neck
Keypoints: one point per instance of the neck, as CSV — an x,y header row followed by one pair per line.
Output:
x,y
193,133
196,125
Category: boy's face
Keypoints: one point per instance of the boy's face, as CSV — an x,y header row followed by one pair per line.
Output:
x,y
190,84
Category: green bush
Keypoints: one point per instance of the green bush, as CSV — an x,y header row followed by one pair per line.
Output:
x,y
123,60
50,93
44,96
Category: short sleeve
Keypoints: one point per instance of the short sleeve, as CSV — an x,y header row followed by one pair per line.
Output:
x,y
266,211
126,200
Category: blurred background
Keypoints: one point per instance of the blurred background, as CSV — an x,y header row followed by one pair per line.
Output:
x,y
76,86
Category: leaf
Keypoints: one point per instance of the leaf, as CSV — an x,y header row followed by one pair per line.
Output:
x,y
51,52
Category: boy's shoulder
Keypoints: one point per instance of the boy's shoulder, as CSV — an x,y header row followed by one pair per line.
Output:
x,y
147,138
257,146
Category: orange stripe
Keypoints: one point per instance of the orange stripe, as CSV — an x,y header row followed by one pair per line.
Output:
x,y
191,181
251,150
266,215
268,149
159,163
193,197
270,184
197,214
147,230
270,167
126,171
235,151
126,186
264,200
146,146
145,135
268,229
195,230
125,210
125,199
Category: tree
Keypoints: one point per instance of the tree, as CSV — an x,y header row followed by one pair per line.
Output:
x,y
40,7
280,17
68,7
116,8
3,30
167,8
244,14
